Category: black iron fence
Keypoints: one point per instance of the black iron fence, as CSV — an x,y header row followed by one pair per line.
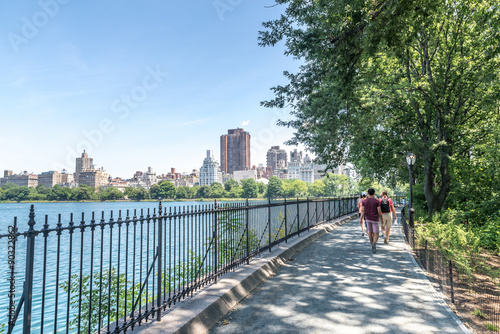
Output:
x,y
111,274
473,295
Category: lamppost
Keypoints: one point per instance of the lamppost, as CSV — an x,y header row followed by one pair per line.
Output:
x,y
410,161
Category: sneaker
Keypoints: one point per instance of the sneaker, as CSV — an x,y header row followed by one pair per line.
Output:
x,y
362,234
374,248
385,241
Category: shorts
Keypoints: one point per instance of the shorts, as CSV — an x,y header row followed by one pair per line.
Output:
x,y
387,219
372,226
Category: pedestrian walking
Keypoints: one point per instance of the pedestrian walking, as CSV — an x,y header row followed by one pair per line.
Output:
x,y
360,202
387,209
370,211
362,219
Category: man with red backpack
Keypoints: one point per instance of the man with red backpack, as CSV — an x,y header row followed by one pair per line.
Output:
x,y
387,208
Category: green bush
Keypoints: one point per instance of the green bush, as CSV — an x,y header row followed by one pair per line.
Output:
x,y
489,235
454,240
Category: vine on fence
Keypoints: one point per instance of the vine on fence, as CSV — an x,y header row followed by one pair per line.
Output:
x,y
111,289
120,292
231,237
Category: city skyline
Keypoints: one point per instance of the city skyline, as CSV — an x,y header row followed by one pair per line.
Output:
x,y
149,84
89,163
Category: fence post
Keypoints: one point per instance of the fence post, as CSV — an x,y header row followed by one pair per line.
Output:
x,y
426,256
247,210
28,281
12,276
159,252
329,210
269,220
298,218
308,218
323,210
286,230
316,212
451,282
215,242
339,205
413,238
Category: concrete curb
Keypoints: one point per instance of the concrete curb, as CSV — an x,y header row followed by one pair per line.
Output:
x,y
199,314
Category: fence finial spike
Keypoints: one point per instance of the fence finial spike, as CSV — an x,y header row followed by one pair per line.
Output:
x,y
32,222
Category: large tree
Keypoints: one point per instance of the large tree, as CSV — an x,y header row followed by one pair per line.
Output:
x,y
381,78
217,190
164,189
250,188
275,187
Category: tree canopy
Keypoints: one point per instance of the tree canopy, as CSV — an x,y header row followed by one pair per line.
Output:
x,y
164,189
331,185
383,78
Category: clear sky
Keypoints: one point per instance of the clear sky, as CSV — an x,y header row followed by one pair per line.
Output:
x,y
135,83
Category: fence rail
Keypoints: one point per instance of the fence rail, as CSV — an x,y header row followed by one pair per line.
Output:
x,y
95,274
475,297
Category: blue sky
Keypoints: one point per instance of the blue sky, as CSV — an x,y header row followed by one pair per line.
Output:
x,y
135,83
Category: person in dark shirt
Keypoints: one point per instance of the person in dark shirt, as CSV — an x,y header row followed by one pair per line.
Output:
x,y
371,213
387,208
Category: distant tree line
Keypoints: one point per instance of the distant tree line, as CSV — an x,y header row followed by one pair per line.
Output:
x,y
332,185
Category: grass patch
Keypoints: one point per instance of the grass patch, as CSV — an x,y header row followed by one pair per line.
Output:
x,y
491,327
479,313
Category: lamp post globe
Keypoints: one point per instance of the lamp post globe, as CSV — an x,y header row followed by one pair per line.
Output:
x,y
410,159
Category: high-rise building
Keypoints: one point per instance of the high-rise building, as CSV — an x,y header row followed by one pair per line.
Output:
x,y
320,171
50,179
210,171
150,177
235,151
86,173
83,163
276,158
304,169
93,178
295,156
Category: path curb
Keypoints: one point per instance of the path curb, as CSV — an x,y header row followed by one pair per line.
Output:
x,y
199,314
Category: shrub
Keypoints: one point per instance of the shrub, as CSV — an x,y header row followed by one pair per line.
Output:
x,y
491,327
479,313
453,240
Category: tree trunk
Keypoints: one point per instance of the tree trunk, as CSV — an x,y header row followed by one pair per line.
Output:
x,y
429,184
435,201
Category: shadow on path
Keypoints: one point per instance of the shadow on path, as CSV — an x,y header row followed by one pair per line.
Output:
x,y
337,285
